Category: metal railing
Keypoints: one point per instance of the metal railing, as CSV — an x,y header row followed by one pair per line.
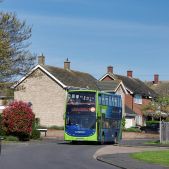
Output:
x,y
164,132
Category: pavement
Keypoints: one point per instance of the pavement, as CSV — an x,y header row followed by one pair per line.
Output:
x,y
119,156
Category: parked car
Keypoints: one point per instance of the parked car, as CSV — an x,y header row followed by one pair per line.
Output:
x,y
151,128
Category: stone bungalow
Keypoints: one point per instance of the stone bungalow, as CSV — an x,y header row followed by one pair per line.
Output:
x,y
139,95
46,88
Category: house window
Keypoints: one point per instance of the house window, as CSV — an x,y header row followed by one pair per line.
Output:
x,y
138,99
139,120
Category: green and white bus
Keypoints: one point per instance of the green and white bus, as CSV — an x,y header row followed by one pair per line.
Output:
x,y
93,116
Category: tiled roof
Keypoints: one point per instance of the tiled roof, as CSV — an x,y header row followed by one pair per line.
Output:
x,y
72,78
108,85
162,88
136,86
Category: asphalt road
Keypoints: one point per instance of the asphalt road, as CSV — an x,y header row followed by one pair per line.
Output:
x,y
50,155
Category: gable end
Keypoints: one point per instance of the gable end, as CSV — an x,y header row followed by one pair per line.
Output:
x,y
43,70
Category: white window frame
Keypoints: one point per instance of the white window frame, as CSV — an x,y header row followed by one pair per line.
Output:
x,y
139,120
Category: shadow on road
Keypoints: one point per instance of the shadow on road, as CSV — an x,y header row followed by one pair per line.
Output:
x,y
84,143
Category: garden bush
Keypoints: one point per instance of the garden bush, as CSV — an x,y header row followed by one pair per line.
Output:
x,y
2,132
17,120
35,134
11,138
149,123
167,119
123,123
132,129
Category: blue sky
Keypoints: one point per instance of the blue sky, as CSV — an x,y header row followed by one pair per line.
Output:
x,y
93,34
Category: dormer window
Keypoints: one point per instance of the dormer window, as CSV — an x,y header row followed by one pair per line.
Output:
x,y
138,99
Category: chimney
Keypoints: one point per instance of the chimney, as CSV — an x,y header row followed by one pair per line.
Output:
x,y
129,73
156,79
67,64
41,60
110,69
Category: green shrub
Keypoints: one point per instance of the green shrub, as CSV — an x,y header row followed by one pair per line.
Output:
x,y
123,122
149,123
167,119
11,138
35,134
2,132
132,129
37,122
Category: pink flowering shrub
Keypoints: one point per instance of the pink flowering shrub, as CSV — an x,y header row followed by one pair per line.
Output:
x,y
17,119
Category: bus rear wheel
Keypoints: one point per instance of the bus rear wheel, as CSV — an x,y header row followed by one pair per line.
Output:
x,y
116,139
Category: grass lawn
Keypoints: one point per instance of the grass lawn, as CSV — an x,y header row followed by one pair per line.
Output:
x,y
156,157
153,142
157,142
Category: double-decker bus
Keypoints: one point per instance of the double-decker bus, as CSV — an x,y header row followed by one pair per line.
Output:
x,y
93,116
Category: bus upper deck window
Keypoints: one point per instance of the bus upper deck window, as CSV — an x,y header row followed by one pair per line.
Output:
x,y
106,100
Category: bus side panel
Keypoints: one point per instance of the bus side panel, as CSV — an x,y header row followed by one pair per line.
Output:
x,y
109,121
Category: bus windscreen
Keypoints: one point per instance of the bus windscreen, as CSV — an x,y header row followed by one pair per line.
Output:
x,y
81,114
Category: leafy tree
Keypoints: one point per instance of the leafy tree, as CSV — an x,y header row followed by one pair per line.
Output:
x,y
15,58
158,108
123,122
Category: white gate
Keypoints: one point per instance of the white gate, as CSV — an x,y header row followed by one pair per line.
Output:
x,y
164,132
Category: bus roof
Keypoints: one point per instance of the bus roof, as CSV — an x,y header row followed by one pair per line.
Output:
x,y
93,91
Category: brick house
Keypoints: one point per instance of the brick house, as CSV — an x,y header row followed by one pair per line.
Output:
x,y
46,88
139,95
160,87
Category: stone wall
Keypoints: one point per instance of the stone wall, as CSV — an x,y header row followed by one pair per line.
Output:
x,y
47,98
